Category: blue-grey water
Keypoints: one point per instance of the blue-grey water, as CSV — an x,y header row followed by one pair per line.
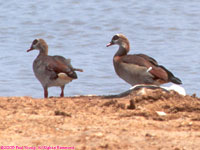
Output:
x,y
167,30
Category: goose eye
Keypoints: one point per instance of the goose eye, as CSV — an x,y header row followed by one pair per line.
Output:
x,y
115,37
35,41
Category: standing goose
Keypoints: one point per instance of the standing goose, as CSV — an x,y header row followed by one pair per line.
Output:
x,y
138,68
51,70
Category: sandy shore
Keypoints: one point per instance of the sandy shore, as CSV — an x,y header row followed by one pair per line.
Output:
x,y
157,120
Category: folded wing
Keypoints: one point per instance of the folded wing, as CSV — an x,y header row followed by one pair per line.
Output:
x,y
59,64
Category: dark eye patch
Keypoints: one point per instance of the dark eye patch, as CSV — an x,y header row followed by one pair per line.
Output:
x,y
115,37
35,41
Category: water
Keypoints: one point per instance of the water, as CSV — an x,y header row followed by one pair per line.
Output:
x,y
166,30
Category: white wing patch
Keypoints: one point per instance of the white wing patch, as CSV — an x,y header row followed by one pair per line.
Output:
x,y
149,69
63,76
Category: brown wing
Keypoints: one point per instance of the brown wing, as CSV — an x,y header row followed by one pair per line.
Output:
x,y
58,65
146,61
150,59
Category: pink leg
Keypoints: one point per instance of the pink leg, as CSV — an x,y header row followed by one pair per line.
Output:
x,y
45,93
62,91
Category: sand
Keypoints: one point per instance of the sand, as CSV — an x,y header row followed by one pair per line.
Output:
x,y
156,120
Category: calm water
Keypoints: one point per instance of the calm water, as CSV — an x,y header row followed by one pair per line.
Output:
x,y
167,30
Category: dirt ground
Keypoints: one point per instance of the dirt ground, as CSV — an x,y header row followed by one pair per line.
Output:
x,y
144,119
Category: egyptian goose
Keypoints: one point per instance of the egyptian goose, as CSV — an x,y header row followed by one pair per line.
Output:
x,y
51,70
138,68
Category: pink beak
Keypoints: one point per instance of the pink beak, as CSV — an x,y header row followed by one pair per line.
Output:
x,y
29,49
109,44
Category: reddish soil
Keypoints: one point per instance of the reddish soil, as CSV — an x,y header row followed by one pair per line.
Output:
x,y
101,123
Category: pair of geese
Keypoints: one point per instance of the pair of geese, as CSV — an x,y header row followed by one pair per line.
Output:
x,y
134,69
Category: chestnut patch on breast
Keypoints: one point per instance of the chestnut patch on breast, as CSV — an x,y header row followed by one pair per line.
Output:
x,y
117,58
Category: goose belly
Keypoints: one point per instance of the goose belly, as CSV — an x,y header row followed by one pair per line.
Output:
x,y
133,74
44,76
